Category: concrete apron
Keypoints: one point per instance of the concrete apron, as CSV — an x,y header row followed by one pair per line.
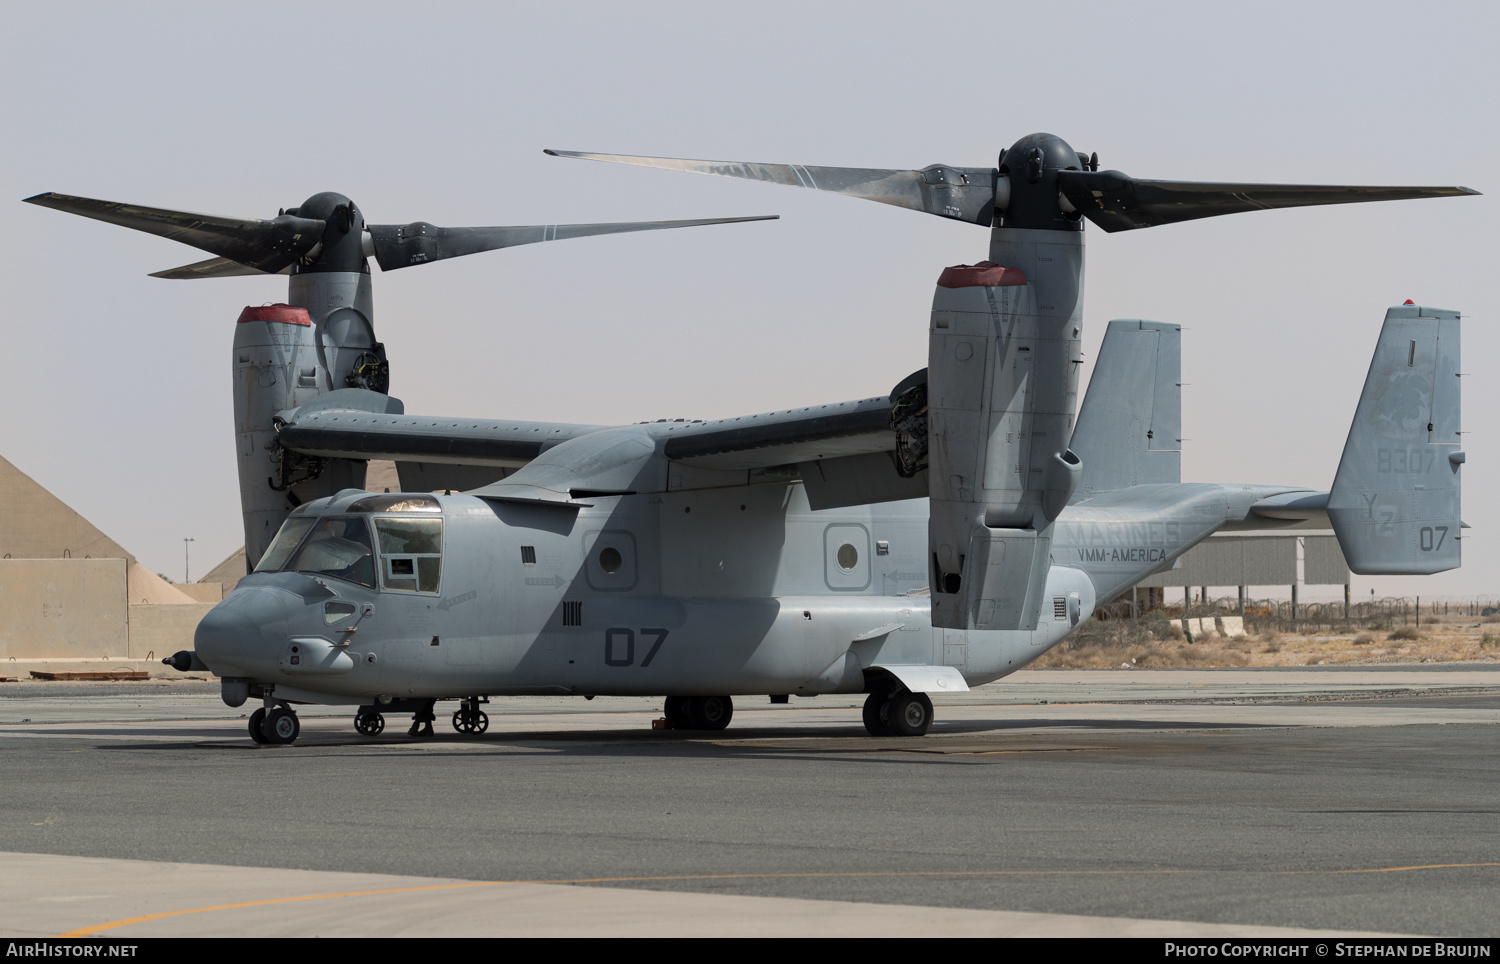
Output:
x,y
114,901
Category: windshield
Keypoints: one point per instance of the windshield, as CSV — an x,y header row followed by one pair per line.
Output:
x,y
286,540
338,547
411,553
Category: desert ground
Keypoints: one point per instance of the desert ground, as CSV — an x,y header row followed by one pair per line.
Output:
x,y
1159,641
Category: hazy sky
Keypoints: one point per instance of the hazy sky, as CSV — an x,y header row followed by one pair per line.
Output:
x,y
115,389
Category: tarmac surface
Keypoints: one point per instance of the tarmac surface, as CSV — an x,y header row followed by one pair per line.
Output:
x,y
1118,802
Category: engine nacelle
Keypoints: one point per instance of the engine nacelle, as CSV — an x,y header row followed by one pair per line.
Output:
x,y
1002,390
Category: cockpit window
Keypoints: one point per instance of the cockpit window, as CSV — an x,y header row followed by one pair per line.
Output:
x,y
286,540
338,547
397,503
410,553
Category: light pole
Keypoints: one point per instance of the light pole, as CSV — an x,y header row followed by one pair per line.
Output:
x,y
185,542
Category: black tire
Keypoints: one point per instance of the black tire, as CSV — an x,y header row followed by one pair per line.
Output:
x,y
470,722
877,708
256,719
675,711
370,724
709,712
910,714
281,726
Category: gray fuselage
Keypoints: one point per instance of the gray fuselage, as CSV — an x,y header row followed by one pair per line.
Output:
x,y
741,590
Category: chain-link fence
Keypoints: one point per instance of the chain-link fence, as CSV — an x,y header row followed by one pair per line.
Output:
x,y
1286,616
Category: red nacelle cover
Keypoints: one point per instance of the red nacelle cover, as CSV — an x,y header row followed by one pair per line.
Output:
x,y
285,314
985,274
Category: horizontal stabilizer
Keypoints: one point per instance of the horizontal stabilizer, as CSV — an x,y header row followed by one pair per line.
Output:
x,y
1305,507
1395,500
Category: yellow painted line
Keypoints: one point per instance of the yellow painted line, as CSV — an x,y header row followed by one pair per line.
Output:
x,y
1391,870
128,921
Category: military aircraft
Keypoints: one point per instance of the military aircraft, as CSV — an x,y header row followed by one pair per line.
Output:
x,y
938,536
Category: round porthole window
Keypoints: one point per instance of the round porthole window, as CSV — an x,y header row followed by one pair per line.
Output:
x,y
848,557
610,560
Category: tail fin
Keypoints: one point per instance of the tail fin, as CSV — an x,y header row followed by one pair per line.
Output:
x,y
1129,429
1395,500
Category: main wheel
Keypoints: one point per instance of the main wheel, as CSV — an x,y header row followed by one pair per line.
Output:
x,y
461,721
256,719
877,713
676,712
369,723
281,726
709,712
910,714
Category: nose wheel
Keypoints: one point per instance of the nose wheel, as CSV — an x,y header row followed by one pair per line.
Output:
x,y
256,719
279,726
470,720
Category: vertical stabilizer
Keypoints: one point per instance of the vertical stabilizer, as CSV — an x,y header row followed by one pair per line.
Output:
x,y
1395,500
1130,427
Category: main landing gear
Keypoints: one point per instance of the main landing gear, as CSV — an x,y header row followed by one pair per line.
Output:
x,y
369,722
470,720
278,726
699,712
897,712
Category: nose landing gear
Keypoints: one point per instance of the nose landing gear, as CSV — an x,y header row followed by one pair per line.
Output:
x,y
278,725
470,720
256,719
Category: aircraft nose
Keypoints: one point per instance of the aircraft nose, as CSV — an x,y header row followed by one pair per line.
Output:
x,y
230,638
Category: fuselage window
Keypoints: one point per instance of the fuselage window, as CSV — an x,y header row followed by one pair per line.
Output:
x,y
286,540
411,554
338,547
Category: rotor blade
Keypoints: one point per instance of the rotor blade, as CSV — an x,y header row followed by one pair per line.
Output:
x,y
213,268
1118,202
959,193
267,245
400,245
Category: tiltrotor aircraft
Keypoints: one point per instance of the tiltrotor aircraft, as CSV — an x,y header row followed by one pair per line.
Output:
x,y
929,539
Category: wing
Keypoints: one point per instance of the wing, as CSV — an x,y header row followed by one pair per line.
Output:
x,y
844,452
784,438
356,424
